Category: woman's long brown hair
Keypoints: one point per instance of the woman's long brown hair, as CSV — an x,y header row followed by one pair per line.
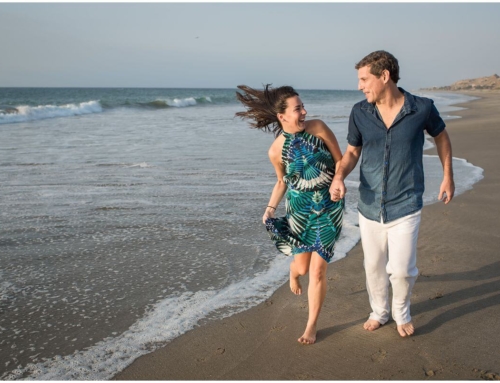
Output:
x,y
264,105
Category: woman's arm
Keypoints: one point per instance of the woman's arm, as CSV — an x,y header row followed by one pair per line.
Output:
x,y
319,129
280,187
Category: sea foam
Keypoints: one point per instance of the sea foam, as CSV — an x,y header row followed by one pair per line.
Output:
x,y
31,113
179,102
165,321
173,315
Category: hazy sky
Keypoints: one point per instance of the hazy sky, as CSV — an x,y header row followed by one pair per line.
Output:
x,y
221,45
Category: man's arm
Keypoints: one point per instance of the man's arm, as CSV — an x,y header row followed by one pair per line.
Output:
x,y
443,145
349,161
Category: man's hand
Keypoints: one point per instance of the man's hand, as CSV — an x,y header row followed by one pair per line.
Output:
x,y
443,146
337,189
447,190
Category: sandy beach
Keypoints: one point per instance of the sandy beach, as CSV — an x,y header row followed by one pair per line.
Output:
x,y
455,302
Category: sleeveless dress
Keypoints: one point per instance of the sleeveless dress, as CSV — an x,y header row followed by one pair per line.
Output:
x,y
313,221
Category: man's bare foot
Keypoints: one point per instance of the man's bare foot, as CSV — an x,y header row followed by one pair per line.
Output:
x,y
309,336
295,285
371,325
406,329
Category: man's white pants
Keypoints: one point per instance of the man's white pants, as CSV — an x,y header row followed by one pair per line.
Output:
x,y
390,254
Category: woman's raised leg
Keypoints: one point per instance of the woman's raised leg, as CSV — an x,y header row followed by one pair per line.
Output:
x,y
298,268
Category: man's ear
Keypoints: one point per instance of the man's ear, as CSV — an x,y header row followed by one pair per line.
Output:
x,y
386,76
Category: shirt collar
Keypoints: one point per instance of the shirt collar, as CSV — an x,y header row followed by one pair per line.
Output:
x,y
408,106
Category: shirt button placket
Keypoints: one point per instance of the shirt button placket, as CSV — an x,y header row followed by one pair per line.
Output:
x,y
383,212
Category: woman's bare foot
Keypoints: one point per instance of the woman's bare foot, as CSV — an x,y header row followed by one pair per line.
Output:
x,y
371,325
309,336
295,285
406,329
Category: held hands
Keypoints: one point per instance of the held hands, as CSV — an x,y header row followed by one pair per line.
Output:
x,y
337,190
447,190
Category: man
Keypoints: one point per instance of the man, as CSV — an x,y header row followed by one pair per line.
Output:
x,y
388,127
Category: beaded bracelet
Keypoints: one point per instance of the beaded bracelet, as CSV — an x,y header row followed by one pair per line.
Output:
x,y
272,207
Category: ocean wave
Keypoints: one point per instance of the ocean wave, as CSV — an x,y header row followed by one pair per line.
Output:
x,y
177,102
328,116
24,113
141,165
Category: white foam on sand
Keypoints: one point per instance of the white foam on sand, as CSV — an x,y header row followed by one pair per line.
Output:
x,y
465,176
165,321
174,316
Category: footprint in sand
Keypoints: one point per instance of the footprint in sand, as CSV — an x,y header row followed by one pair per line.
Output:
x,y
379,356
487,375
437,258
429,372
437,296
278,328
242,327
424,275
357,288
201,360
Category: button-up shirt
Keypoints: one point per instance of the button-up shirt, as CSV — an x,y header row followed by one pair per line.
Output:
x,y
391,170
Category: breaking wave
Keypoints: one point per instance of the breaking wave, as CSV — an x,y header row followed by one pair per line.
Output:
x,y
178,102
30,113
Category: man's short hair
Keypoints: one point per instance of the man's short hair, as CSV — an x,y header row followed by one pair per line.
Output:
x,y
379,61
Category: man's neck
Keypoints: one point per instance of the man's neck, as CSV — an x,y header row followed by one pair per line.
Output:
x,y
392,98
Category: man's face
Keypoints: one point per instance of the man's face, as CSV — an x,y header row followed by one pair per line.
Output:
x,y
372,86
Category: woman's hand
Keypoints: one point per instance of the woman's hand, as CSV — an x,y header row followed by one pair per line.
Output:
x,y
269,213
337,189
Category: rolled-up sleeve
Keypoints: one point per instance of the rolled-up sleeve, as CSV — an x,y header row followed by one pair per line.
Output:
x,y
435,124
353,135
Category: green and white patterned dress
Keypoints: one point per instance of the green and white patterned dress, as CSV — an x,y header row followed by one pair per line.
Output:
x,y
313,221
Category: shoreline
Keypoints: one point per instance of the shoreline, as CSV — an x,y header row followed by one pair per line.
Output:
x,y
454,304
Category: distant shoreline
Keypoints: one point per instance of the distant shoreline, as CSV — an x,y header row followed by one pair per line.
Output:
x,y
475,84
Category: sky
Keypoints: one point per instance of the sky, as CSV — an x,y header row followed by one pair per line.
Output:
x,y
222,45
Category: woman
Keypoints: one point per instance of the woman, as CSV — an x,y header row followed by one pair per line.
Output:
x,y
304,155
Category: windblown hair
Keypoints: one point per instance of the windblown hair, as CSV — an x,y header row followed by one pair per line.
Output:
x,y
379,61
263,106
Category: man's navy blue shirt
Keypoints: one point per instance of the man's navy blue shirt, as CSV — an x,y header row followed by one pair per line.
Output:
x,y
391,171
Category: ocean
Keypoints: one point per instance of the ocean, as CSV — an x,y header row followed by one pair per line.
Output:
x,y
130,216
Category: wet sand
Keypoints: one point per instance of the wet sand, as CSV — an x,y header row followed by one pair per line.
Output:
x,y
455,302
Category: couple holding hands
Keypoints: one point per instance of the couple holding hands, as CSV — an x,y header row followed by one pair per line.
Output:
x,y
388,128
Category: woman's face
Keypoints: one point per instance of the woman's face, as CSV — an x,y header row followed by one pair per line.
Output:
x,y
293,120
